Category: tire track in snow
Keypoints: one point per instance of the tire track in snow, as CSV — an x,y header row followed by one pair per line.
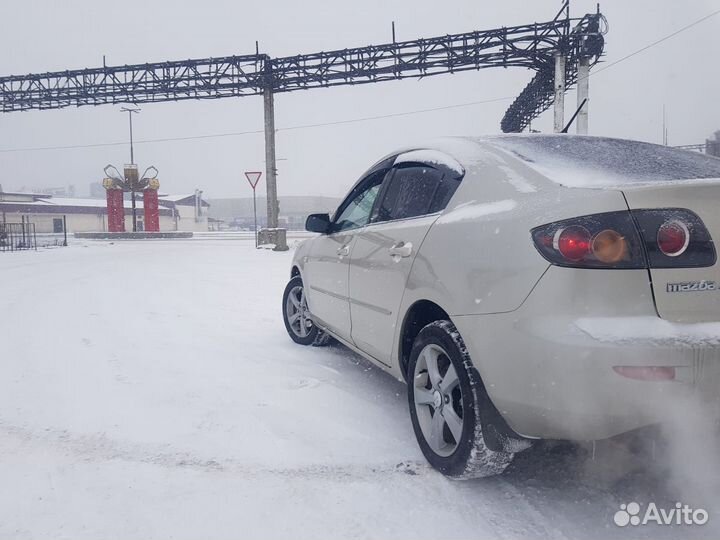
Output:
x,y
522,510
493,502
100,448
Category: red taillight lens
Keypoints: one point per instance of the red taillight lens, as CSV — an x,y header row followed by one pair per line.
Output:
x,y
572,242
673,238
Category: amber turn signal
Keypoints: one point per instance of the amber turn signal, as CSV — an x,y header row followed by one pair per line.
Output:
x,y
609,246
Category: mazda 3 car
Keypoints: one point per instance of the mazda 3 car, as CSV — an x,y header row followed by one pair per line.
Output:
x,y
525,287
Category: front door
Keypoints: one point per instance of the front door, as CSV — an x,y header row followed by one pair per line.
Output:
x,y
326,282
326,269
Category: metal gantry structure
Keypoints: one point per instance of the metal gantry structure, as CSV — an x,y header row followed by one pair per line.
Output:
x,y
558,50
578,45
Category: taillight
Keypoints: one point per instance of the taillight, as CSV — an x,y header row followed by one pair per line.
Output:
x,y
657,238
608,240
675,238
572,242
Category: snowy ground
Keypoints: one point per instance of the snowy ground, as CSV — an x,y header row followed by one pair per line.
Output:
x,y
148,390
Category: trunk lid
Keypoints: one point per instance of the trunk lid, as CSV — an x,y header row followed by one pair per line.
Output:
x,y
684,295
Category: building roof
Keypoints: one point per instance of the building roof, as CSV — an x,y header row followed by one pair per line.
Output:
x,y
48,204
71,201
180,200
26,203
21,195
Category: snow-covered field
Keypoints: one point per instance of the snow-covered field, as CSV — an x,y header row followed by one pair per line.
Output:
x,y
149,391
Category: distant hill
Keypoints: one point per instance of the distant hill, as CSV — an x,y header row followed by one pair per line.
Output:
x,y
296,206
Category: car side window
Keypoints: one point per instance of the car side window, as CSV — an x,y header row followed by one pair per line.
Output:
x,y
355,211
412,191
444,193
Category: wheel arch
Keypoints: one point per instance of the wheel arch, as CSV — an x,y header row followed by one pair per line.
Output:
x,y
294,271
417,316
499,435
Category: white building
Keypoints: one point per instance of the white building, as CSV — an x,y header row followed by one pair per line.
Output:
x,y
177,212
189,212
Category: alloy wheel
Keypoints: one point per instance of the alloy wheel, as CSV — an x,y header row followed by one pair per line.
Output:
x,y
438,400
296,311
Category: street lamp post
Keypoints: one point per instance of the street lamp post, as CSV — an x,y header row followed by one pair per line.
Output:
x,y
130,112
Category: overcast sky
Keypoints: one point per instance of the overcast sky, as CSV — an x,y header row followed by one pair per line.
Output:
x,y
627,99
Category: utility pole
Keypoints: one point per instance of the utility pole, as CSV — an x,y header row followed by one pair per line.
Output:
x,y
583,94
559,123
272,234
130,112
270,164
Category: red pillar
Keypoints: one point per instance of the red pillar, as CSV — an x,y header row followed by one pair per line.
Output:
x,y
152,213
115,210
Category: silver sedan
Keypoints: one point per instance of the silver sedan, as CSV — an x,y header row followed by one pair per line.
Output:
x,y
525,287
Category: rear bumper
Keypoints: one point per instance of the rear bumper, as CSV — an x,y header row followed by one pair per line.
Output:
x,y
548,366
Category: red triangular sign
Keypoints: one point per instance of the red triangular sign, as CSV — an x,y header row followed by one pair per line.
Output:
x,y
253,177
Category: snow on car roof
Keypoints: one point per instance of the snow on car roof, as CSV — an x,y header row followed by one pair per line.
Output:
x,y
433,157
596,162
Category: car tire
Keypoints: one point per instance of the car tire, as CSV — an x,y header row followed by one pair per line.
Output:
x,y
300,327
446,398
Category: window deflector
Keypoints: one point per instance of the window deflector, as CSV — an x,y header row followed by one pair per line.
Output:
x,y
373,180
384,164
388,182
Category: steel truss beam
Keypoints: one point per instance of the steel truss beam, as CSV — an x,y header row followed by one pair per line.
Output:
x,y
529,46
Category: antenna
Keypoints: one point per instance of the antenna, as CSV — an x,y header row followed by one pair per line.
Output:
x,y
574,116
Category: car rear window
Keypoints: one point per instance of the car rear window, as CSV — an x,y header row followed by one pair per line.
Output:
x,y
600,161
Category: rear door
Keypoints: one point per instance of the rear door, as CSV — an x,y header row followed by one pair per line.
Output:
x,y
410,202
682,294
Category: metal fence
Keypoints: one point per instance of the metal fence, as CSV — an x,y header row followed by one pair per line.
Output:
x,y
46,240
17,236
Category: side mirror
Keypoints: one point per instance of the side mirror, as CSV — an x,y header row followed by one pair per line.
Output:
x,y
319,223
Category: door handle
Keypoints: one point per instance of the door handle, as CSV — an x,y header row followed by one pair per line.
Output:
x,y
401,249
344,251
